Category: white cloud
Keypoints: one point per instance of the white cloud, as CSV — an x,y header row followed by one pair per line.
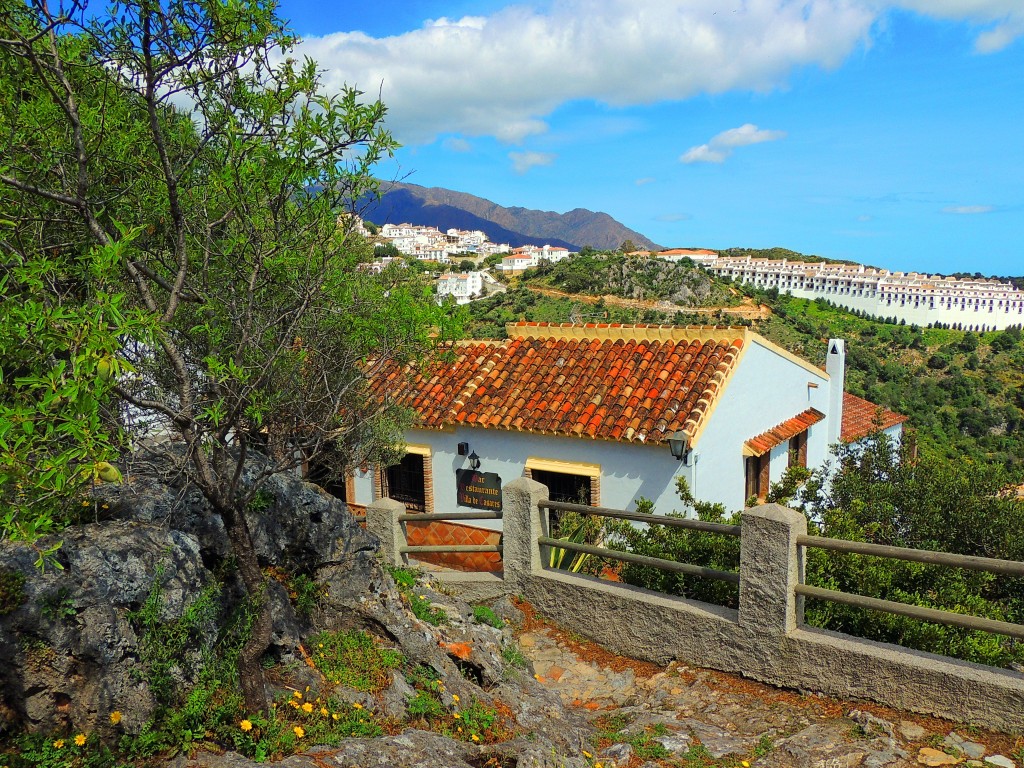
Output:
x,y
453,144
722,145
503,74
967,210
524,161
645,180
673,217
1005,16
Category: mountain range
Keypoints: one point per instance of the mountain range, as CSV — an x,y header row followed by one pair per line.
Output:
x,y
446,209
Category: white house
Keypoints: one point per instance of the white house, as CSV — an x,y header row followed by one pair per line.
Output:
x,y
589,409
463,286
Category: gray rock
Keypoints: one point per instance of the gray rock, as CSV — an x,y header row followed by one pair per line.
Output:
x,y
396,696
871,725
829,745
617,754
911,731
973,750
716,741
675,743
1001,761
75,652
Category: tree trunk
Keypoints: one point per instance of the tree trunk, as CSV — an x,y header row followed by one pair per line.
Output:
x,y
250,670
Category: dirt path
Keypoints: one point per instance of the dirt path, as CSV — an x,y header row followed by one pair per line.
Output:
x,y
652,716
748,310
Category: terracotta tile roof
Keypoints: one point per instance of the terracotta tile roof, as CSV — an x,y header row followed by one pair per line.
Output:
x,y
779,434
629,383
861,418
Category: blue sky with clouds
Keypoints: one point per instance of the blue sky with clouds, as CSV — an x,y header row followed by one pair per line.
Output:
x,y
889,132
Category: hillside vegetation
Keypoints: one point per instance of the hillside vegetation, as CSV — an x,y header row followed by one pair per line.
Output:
x,y
963,391
612,273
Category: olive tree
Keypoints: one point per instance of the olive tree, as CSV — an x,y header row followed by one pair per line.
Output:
x,y
177,255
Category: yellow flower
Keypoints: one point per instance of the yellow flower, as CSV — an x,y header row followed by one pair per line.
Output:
x,y
456,715
323,711
321,645
598,765
297,695
105,506
115,717
474,737
59,744
245,725
336,716
587,754
307,707
356,705
294,703
299,731
85,503
455,698
745,764
80,739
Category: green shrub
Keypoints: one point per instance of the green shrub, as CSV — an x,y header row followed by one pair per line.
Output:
x,y
305,594
710,550
483,614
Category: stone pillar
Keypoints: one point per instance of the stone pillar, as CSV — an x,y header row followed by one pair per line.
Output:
x,y
382,521
522,524
770,569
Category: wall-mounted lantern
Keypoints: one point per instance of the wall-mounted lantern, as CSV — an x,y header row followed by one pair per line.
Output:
x,y
474,461
679,445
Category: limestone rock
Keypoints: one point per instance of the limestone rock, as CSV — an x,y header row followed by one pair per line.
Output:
x,y
930,756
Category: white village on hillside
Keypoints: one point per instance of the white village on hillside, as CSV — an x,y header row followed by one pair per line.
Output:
x,y
974,304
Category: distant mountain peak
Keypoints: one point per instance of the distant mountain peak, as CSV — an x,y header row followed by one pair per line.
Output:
x,y
446,209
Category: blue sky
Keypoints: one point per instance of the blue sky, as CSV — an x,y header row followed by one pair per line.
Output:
x,y
889,132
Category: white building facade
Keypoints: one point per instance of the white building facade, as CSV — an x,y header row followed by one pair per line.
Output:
x,y
463,287
923,300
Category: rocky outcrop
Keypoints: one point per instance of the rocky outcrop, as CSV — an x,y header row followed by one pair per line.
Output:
x,y
71,651
78,644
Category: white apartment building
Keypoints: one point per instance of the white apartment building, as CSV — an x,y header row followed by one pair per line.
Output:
x,y
527,256
463,286
974,304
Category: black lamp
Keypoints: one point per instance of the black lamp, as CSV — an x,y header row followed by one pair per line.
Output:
x,y
474,461
679,444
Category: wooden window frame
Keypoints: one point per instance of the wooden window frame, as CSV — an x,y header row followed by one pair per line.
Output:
x,y
426,454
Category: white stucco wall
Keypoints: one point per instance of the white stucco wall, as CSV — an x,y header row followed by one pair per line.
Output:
x,y
767,388
627,470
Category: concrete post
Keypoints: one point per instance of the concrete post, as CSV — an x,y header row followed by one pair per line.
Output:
x,y
770,569
522,524
382,521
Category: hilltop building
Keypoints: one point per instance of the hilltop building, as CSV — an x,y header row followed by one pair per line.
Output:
x,y
590,410
973,304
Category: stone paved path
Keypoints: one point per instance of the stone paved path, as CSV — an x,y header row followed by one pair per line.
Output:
x,y
691,716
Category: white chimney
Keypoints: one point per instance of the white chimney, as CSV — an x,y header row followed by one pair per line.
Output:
x,y
835,367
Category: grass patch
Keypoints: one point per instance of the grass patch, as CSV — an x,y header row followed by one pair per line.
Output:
x,y
354,659
422,608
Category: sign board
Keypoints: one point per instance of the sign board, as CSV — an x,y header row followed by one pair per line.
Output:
x,y
480,490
